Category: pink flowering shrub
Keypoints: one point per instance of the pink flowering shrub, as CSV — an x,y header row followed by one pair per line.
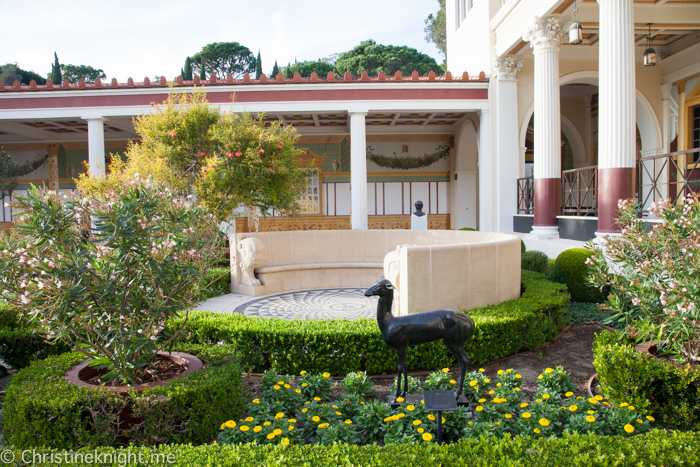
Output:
x,y
107,275
654,275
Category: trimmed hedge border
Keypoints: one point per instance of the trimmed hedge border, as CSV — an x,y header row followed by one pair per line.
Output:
x,y
341,347
656,448
42,409
667,391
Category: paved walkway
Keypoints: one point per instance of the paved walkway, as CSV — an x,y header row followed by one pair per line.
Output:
x,y
335,303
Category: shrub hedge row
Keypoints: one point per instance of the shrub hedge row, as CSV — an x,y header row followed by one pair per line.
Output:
x,y
42,409
657,448
665,390
340,346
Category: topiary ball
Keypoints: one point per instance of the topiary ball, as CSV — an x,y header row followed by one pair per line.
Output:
x,y
534,260
570,268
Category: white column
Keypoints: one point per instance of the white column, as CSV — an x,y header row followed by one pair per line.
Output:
x,y
96,145
358,171
485,183
507,144
544,37
617,103
666,127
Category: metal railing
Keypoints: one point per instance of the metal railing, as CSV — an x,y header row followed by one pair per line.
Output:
x,y
579,191
668,176
526,195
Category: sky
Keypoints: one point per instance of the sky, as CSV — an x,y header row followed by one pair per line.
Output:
x,y
128,38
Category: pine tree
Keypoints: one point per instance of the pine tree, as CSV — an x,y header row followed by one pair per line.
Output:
x,y
275,70
258,66
186,72
55,75
202,71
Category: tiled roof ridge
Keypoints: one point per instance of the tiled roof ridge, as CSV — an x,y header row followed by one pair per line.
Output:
x,y
246,79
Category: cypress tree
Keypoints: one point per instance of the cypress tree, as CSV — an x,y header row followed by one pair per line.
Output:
x,y
202,71
55,75
258,66
275,70
186,72
288,71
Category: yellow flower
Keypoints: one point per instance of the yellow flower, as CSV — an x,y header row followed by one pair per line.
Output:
x,y
277,432
523,405
317,399
249,419
639,421
579,397
607,403
280,383
516,389
357,376
257,429
599,397
427,436
316,419
431,417
279,415
479,408
348,422
526,415
401,415
304,410
411,408
538,400
591,412
470,423
387,419
290,428
292,420
481,370
536,430
297,390
540,377
285,442
453,381
590,419
339,413
302,372
230,424
420,430
498,423
545,396
472,383
399,399
500,372
491,391
270,436
593,401
490,426
569,394
573,408
446,370
508,416
442,420
498,385
275,387
630,407
266,423
624,404
223,425
650,418
518,376
417,422
256,401
549,370
482,400
286,386
244,428
544,422
487,381
509,370
326,375
303,385
629,428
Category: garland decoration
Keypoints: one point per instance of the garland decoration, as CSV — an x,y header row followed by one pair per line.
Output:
x,y
408,162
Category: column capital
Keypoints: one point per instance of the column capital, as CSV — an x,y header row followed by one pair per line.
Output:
x,y
94,119
358,112
546,33
507,67
483,113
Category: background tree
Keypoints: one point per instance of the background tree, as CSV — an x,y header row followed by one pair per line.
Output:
x,y
186,71
203,71
55,75
275,70
258,66
221,58
10,73
73,73
319,66
373,58
288,71
10,171
435,29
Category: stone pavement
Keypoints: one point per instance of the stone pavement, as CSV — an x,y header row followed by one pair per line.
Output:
x,y
335,303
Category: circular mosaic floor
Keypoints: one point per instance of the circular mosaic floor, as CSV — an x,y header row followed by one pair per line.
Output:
x,y
336,303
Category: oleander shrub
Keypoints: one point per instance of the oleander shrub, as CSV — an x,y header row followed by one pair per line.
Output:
x,y
42,409
216,282
657,447
534,260
661,388
341,346
570,268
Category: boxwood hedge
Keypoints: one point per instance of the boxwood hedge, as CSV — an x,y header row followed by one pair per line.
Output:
x,y
42,409
668,391
340,346
657,448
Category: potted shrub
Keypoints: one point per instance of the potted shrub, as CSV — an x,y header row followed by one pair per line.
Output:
x,y
106,275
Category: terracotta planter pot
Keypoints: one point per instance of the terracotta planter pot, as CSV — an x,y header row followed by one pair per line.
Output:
x,y
82,371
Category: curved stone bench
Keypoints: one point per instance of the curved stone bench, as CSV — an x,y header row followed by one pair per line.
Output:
x,y
431,269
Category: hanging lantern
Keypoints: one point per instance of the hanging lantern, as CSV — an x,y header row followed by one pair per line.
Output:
x,y
650,52
575,30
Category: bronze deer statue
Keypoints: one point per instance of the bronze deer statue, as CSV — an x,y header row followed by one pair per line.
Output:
x,y
453,327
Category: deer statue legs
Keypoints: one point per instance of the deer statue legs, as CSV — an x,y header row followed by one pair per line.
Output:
x,y
402,371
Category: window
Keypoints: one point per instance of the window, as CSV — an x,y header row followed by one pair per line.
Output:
x,y
309,202
462,7
695,135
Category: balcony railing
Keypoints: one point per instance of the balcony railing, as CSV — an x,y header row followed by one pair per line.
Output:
x,y
668,176
579,195
526,195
